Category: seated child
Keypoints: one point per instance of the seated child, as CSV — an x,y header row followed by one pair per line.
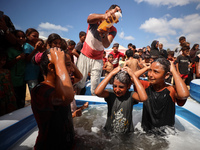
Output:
x,y
120,100
159,109
132,62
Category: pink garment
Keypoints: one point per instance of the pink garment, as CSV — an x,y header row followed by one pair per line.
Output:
x,y
38,57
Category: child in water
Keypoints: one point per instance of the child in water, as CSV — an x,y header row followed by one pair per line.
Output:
x,y
120,100
50,102
159,109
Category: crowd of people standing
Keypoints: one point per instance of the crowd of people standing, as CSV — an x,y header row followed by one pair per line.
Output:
x,y
53,77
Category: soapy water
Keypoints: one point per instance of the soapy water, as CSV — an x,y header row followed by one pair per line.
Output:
x,y
90,134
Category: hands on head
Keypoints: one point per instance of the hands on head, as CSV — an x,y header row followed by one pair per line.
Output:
x,y
56,55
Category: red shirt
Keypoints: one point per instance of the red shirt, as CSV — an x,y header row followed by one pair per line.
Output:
x,y
104,60
116,57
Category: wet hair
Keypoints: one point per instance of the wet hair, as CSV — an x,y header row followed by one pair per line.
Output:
x,y
71,42
45,61
52,37
82,33
110,55
164,62
123,77
129,53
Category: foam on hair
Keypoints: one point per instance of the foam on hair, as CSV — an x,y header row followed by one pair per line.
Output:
x,y
123,77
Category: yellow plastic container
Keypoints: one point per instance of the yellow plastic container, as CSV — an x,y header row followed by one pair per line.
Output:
x,y
104,25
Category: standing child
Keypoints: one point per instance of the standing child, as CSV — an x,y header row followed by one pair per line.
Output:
x,y
108,66
70,46
104,61
140,52
50,101
120,101
116,54
30,49
53,40
7,98
77,50
170,56
159,109
197,65
183,62
16,63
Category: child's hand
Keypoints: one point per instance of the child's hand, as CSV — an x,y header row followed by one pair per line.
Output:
x,y
116,70
172,67
21,56
130,72
77,113
38,45
56,55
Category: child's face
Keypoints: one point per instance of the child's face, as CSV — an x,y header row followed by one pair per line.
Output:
x,y
197,47
140,53
68,64
186,52
71,47
170,57
56,43
156,74
83,38
20,37
151,60
33,37
119,88
104,55
110,59
147,60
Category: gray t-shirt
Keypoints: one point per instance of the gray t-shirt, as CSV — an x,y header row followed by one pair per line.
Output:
x,y
119,117
78,47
